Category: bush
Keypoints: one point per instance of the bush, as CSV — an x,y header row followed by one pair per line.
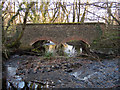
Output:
x,y
48,55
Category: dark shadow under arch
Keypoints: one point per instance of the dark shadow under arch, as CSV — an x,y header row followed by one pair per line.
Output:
x,y
42,38
77,38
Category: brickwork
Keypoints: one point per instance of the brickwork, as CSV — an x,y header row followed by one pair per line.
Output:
x,y
59,33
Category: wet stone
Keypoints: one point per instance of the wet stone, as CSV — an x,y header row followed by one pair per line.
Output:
x,y
49,70
56,67
68,70
71,72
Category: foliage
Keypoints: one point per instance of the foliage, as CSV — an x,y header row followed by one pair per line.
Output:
x,y
16,42
98,28
48,55
5,52
108,41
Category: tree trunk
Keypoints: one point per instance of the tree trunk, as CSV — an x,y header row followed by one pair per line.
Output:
x,y
79,12
73,12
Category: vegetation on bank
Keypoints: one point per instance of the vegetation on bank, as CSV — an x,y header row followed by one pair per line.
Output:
x,y
109,41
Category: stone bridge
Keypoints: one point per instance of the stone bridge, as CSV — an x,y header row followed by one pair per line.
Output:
x,y
60,33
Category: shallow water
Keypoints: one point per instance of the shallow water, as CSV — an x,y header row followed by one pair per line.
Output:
x,y
89,75
99,76
14,81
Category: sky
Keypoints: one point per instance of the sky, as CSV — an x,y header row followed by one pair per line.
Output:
x,y
83,1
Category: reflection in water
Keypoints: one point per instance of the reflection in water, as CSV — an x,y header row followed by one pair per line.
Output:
x,y
14,82
11,71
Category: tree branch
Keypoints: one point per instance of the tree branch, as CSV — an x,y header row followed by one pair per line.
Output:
x,y
98,16
114,17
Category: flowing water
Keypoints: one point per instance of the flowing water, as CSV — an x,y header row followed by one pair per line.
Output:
x,y
87,73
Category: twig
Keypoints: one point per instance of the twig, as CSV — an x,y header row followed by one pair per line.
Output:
x,y
42,83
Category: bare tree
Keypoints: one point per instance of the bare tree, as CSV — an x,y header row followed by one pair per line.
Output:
x,y
78,14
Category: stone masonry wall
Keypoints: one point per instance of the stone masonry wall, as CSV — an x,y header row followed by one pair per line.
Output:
x,y
59,33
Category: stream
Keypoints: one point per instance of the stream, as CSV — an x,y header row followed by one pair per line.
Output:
x,y
37,72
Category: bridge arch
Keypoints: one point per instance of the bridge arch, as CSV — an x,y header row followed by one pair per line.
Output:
x,y
42,38
75,38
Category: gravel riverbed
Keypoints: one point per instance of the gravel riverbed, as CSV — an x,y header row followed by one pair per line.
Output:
x,y
65,72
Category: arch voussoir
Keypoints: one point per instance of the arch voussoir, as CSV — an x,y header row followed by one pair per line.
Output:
x,y
75,38
42,38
